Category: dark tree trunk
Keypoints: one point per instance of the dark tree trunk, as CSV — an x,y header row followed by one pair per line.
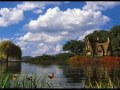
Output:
x,y
7,58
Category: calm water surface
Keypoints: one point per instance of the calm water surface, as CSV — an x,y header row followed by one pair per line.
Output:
x,y
67,76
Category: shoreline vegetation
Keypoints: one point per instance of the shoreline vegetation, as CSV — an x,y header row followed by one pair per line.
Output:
x,y
100,72
25,81
58,58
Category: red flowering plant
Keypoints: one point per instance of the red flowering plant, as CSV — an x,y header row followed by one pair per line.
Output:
x,y
79,61
110,62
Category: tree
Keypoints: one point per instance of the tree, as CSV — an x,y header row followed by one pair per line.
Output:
x,y
101,34
114,32
74,46
116,46
17,52
10,50
115,40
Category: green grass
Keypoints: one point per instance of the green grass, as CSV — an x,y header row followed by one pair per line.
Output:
x,y
109,81
24,81
101,84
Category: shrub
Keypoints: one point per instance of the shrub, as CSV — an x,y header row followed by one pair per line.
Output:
x,y
78,60
110,62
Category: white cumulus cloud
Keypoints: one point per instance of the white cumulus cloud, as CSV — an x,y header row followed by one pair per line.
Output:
x,y
40,37
38,11
100,5
71,20
25,6
9,16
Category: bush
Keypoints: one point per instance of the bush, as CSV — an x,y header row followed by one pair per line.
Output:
x,y
78,60
110,62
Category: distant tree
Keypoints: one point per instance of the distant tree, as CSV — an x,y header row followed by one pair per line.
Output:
x,y
10,50
74,46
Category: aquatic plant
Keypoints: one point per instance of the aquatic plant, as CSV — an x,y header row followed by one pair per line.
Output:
x,y
24,81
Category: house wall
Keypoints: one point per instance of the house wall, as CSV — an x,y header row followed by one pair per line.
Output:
x,y
104,45
89,53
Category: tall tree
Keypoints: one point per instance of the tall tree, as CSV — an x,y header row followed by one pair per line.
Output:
x,y
10,50
115,43
74,46
114,32
115,40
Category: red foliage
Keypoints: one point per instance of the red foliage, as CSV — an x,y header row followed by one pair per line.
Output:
x,y
79,61
107,61
110,62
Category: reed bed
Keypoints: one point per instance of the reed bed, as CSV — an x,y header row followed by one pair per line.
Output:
x,y
24,81
102,79
103,83
99,73
33,81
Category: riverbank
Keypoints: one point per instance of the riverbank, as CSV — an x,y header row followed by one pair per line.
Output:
x,y
50,59
86,61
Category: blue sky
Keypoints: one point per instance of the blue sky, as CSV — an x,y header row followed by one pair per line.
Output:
x,y
43,27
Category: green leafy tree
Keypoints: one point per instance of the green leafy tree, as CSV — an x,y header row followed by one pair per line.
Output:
x,y
74,46
116,46
101,34
114,32
17,52
10,50
115,40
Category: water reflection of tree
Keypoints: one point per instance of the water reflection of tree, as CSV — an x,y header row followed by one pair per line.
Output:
x,y
45,64
93,72
97,73
10,67
75,75
78,74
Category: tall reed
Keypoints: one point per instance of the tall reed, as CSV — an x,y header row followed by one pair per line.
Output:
x,y
24,81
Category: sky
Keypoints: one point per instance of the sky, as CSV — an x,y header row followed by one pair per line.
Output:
x,y
43,27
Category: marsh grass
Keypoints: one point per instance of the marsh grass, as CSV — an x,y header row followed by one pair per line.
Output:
x,y
24,81
33,81
108,81
101,72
